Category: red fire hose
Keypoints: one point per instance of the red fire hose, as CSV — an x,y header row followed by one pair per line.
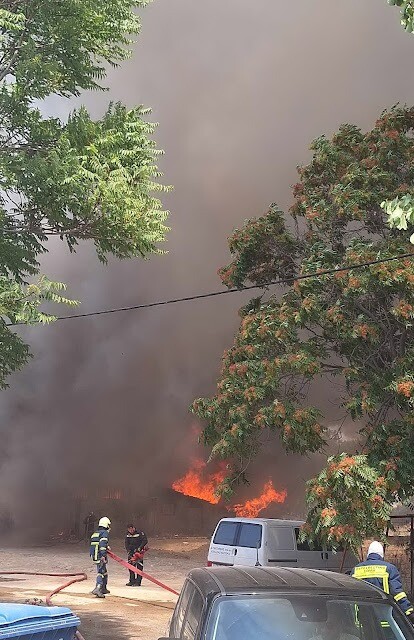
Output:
x,y
141,573
77,577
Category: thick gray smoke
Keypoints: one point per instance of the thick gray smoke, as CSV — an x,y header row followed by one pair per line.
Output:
x,y
240,88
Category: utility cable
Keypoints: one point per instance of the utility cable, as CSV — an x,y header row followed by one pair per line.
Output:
x,y
213,294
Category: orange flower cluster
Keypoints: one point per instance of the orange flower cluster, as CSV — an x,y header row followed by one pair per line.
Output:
x,y
239,368
279,410
307,304
263,330
377,501
405,388
320,492
354,282
390,466
381,482
250,394
369,163
345,465
328,513
339,531
404,309
365,330
311,215
299,415
334,315
392,134
260,420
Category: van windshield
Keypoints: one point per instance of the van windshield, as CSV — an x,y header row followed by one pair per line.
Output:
x,y
258,617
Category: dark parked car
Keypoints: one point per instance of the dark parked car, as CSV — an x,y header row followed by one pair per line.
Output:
x,y
256,603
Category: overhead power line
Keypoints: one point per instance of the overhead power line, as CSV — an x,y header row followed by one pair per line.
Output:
x,y
213,294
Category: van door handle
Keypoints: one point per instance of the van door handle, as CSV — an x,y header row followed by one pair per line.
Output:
x,y
326,556
322,555
235,552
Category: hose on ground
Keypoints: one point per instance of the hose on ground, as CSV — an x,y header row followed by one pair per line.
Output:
x,y
76,577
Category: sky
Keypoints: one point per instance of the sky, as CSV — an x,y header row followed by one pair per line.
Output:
x,y
239,89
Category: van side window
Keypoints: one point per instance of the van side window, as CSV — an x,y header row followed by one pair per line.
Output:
x,y
226,533
179,613
250,536
281,538
193,617
304,546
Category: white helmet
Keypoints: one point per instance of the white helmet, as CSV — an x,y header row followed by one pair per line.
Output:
x,y
376,547
104,522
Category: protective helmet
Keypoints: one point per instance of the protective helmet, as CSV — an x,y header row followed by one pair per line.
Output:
x,y
104,522
376,547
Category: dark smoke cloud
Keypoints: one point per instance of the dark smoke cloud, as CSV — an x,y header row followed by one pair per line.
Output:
x,y
240,88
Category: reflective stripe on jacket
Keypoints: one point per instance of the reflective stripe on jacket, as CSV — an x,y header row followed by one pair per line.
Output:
x,y
99,545
385,576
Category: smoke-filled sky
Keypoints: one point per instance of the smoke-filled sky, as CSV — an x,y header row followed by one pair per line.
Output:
x,y
240,88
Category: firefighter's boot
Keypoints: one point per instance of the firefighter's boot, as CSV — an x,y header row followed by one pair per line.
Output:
x,y
98,592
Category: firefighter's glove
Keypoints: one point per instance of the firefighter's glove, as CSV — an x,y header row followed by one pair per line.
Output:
x,y
104,560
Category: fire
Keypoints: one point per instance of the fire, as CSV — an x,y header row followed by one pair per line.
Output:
x,y
252,508
197,485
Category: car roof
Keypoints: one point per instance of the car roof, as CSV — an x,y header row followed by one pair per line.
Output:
x,y
269,521
237,580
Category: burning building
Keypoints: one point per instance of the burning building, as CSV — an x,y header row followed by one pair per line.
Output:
x,y
190,507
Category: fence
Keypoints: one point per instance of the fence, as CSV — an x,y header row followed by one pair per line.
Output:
x,y
400,548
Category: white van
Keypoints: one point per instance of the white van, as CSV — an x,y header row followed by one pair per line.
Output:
x,y
270,543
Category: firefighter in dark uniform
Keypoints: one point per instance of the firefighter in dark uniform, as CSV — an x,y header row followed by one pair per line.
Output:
x,y
384,575
99,554
89,523
135,544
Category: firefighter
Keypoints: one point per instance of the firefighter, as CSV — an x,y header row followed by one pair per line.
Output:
x,y
384,575
99,554
89,523
135,544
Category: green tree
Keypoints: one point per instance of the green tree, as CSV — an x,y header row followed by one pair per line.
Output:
x,y
80,179
355,326
407,13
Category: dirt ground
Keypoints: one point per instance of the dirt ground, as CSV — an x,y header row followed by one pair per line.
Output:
x,y
128,613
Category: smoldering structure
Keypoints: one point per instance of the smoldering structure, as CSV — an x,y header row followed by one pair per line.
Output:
x,y
239,89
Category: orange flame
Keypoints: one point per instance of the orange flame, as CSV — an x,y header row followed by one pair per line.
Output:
x,y
252,508
196,485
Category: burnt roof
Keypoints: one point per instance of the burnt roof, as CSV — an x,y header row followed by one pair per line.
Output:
x,y
232,580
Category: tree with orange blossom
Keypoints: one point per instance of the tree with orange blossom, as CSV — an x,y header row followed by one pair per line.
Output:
x,y
354,325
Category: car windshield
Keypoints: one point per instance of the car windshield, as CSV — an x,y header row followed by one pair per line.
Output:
x,y
257,617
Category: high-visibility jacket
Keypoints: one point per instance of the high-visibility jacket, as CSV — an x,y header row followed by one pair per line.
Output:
x,y
385,576
99,545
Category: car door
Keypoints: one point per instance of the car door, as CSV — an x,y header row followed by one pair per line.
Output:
x,y
180,611
223,546
315,557
193,618
248,543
